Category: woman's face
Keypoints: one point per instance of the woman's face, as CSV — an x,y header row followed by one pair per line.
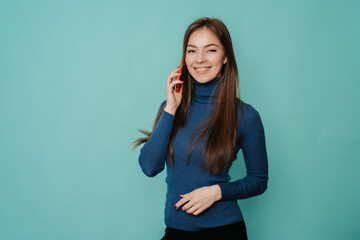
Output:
x,y
204,56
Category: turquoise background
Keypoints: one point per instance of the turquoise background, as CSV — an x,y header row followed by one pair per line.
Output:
x,y
77,78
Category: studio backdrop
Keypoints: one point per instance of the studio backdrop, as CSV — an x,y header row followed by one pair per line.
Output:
x,y
78,78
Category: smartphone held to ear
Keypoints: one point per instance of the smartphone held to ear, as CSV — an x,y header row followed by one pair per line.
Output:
x,y
178,86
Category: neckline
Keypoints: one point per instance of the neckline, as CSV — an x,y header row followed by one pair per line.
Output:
x,y
202,91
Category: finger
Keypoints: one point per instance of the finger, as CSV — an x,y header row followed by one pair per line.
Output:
x,y
181,202
174,74
189,205
172,87
172,84
193,208
198,211
176,70
172,77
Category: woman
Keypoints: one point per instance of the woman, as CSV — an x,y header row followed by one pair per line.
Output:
x,y
200,200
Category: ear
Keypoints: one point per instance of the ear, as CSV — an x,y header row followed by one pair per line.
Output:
x,y
225,61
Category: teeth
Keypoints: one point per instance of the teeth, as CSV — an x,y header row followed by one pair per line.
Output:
x,y
201,69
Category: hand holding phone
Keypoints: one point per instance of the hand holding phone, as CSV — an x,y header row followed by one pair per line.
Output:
x,y
178,86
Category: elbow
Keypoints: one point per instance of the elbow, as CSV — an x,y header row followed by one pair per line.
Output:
x,y
145,168
263,185
150,165
259,184
151,172
148,169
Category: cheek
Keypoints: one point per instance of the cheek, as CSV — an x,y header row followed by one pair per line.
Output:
x,y
188,65
219,62
187,61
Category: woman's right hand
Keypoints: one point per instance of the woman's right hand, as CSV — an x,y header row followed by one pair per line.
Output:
x,y
173,99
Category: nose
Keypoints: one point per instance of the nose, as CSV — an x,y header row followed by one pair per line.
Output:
x,y
200,57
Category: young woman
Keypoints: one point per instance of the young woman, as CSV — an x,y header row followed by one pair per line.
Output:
x,y
197,134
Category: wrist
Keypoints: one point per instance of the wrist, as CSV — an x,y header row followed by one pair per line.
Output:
x,y
217,192
170,110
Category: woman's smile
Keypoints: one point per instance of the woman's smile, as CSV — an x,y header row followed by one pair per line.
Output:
x,y
202,70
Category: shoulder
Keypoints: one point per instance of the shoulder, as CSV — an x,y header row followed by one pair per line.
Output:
x,y
248,117
247,112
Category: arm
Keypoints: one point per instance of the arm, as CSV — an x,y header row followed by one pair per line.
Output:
x,y
153,154
252,140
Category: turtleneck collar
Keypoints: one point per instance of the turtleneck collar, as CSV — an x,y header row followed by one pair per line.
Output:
x,y
203,91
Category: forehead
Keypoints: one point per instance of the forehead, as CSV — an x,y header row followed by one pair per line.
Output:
x,y
203,37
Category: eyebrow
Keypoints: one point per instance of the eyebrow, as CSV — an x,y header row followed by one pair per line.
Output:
x,y
211,44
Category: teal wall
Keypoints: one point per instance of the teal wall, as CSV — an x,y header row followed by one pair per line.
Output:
x,y
77,78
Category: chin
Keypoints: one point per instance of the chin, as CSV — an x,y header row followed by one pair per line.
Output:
x,y
202,79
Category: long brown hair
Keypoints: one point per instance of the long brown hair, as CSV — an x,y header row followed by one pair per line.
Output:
x,y
220,129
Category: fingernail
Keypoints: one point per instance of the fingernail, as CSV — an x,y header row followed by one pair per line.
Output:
x,y
182,194
175,207
178,66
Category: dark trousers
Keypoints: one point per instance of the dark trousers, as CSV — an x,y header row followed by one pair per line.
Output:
x,y
234,231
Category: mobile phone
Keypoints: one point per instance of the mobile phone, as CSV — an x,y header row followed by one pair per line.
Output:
x,y
178,86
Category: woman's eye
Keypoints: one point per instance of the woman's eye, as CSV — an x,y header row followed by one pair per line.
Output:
x,y
211,50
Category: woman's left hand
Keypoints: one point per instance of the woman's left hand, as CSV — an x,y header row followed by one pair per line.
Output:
x,y
200,199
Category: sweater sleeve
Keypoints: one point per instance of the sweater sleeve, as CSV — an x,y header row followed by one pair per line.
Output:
x,y
153,154
252,142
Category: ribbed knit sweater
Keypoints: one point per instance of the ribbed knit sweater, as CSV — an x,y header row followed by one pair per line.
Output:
x,y
183,179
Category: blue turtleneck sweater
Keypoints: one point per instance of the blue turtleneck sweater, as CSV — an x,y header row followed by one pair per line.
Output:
x,y
183,179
